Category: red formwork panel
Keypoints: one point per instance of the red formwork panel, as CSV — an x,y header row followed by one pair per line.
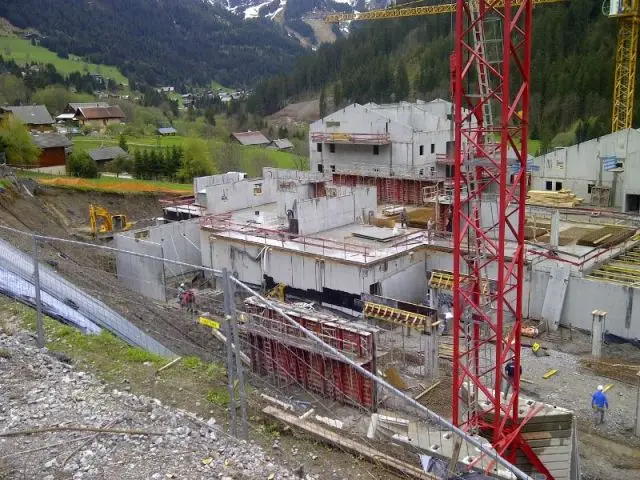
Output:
x,y
389,190
278,350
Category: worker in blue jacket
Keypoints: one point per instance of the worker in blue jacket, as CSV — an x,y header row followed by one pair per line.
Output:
x,y
510,374
599,403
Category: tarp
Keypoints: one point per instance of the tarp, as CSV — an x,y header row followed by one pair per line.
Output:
x,y
13,286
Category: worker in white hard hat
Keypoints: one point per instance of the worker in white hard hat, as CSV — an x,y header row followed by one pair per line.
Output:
x,y
181,290
599,403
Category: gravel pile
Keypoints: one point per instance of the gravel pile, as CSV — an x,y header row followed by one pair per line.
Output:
x,y
39,391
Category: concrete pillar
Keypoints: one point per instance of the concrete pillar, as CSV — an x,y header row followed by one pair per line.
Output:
x,y
555,229
431,350
597,329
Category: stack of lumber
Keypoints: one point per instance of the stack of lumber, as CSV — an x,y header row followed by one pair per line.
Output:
x,y
560,199
382,222
416,217
606,237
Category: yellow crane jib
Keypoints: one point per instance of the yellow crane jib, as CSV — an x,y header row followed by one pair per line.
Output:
x,y
102,222
412,11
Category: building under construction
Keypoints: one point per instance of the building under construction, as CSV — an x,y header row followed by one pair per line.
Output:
x,y
372,251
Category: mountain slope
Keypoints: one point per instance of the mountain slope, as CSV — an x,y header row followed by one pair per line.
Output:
x,y
572,67
159,41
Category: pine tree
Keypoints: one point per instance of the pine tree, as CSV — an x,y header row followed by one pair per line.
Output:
x,y
322,104
402,86
337,95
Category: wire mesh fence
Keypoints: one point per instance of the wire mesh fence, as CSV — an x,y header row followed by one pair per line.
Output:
x,y
364,386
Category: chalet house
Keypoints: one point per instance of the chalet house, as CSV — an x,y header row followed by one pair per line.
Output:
x,y
98,115
166,131
250,138
35,117
103,155
282,144
53,148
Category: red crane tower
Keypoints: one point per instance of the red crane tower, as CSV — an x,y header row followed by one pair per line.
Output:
x,y
490,160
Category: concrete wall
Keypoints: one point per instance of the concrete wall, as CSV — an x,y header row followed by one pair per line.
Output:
x,y
324,213
239,195
579,166
143,275
180,242
402,277
408,127
200,183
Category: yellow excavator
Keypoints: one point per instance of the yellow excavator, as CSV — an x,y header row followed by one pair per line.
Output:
x,y
104,225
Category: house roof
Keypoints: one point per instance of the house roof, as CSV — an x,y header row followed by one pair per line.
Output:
x,y
32,115
76,106
107,153
66,116
282,143
98,113
50,140
250,138
166,130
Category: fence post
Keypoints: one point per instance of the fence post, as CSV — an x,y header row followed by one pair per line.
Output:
x,y
229,334
36,284
230,312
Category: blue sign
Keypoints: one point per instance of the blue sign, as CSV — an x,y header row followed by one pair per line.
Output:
x,y
530,168
609,163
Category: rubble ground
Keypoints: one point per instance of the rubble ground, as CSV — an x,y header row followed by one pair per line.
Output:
x,y
186,405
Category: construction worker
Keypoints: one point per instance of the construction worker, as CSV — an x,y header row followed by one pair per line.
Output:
x,y
599,403
181,290
430,232
404,218
509,375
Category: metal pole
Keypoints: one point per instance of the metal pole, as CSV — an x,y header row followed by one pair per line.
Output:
x,y
229,289
36,283
228,333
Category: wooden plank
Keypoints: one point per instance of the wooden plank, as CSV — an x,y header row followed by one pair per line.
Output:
x,y
340,440
550,373
420,395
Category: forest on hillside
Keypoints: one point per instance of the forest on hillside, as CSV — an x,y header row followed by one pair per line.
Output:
x,y
164,42
573,55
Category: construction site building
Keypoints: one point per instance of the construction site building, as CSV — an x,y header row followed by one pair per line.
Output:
x,y
604,171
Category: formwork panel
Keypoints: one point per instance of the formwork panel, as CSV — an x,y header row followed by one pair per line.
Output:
x,y
280,351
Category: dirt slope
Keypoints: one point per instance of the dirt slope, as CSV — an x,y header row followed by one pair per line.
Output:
x,y
58,213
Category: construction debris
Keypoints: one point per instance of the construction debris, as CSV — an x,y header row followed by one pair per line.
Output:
x,y
337,424
561,199
280,403
347,444
427,390
550,373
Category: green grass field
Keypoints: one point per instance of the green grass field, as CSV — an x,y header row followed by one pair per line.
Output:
x,y
22,52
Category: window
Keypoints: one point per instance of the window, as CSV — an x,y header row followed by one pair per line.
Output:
x,y
332,147
449,171
590,187
421,171
558,186
421,149
433,148
376,150
320,168
632,203
333,124
548,185
374,288
333,168
257,189
319,147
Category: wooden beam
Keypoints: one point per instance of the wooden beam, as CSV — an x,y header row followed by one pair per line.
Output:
x,y
422,394
342,441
